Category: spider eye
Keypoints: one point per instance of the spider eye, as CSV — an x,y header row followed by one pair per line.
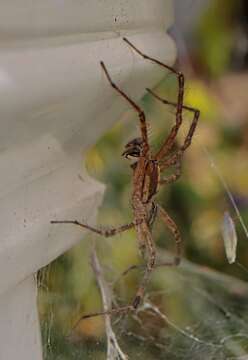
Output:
x,y
135,142
131,152
133,148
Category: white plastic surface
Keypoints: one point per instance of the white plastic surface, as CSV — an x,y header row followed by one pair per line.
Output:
x,y
35,18
19,333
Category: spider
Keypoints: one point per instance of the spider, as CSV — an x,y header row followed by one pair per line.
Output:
x,y
147,168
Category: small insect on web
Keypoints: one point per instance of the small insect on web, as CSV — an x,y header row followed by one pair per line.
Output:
x,y
147,169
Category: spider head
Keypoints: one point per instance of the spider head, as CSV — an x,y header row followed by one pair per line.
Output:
x,y
133,148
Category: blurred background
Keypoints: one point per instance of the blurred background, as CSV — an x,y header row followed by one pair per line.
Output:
x,y
201,308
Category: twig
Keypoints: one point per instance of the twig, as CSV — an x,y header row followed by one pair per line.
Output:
x,y
114,351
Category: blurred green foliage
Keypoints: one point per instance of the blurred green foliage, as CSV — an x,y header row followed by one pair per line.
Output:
x,y
215,36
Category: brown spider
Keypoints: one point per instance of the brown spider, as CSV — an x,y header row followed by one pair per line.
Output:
x,y
146,181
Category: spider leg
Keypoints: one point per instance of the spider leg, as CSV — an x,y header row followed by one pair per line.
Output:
x,y
151,258
167,145
118,310
145,232
179,104
171,225
141,114
171,161
106,233
173,177
103,232
173,228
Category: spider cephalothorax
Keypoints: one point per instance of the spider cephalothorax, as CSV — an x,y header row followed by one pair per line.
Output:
x,y
133,148
146,180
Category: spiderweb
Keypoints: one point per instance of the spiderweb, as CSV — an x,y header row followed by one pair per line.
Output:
x,y
188,312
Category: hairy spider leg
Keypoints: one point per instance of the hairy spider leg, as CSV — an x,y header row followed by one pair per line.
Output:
x,y
192,128
141,114
104,232
173,177
120,310
145,231
171,225
168,143
171,161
